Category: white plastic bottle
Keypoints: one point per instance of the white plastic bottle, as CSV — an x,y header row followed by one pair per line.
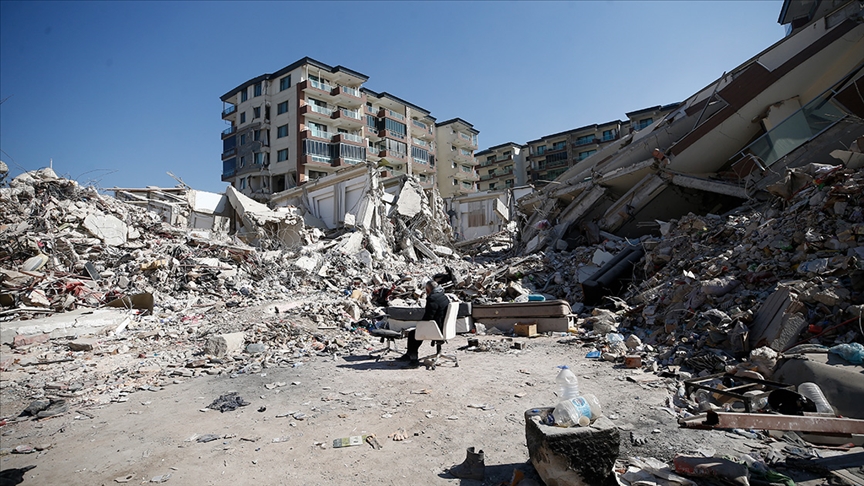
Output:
x,y
577,411
568,385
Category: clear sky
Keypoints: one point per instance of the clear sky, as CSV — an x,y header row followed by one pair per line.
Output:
x,y
118,93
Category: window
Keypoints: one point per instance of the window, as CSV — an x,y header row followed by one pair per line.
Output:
x,y
608,135
561,145
256,112
398,148
490,159
243,139
242,161
282,155
243,117
242,183
454,181
467,185
352,154
282,131
644,123
584,140
421,156
259,158
372,122
258,89
282,108
316,174
285,83
453,165
586,154
556,157
395,127
244,95
318,151
256,136
508,183
491,186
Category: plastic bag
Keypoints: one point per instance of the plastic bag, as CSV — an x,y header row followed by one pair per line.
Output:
x,y
851,352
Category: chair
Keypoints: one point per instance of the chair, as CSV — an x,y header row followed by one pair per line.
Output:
x,y
429,331
390,336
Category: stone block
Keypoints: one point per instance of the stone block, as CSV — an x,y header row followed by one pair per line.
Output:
x,y
225,344
82,345
575,456
21,340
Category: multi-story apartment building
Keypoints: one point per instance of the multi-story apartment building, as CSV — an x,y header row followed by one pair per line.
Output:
x,y
502,166
456,141
552,155
309,119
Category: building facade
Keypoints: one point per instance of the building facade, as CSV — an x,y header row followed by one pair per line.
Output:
x,y
310,119
456,141
552,155
502,166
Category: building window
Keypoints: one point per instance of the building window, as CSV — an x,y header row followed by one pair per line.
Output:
x,y
282,108
372,123
420,156
258,89
282,155
256,112
242,161
508,183
608,135
491,186
584,140
586,154
507,154
316,174
454,181
243,117
259,158
243,139
490,159
467,185
285,83
560,145
242,183
395,127
540,150
644,123
282,131
244,95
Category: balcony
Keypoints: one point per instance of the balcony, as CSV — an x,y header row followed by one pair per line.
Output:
x,y
390,134
317,112
228,131
464,140
348,96
345,117
229,153
384,112
345,162
315,133
389,154
466,176
231,109
586,142
349,138
371,133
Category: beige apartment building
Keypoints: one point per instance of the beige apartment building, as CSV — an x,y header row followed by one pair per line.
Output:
x,y
310,119
502,166
552,155
456,141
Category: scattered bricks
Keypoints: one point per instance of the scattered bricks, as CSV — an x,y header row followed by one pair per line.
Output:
x,y
82,344
20,340
575,455
225,344
633,361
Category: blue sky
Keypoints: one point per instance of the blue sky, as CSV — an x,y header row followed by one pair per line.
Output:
x,y
118,93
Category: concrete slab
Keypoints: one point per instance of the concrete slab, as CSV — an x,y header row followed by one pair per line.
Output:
x,y
107,228
78,322
574,456
841,382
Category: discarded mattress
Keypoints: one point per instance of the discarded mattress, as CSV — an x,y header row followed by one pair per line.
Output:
x,y
526,310
405,313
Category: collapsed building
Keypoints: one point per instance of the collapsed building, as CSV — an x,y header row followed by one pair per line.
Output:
x,y
723,144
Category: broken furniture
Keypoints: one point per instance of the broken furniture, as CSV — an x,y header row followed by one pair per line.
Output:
x,y
736,386
400,321
429,331
550,315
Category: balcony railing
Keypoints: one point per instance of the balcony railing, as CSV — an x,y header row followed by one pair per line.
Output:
x,y
419,124
351,91
320,133
465,152
466,169
371,110
229,131
230,109
393,114
419,142
320,85
350,113
322,110
229,152
420,161
353,161
352,137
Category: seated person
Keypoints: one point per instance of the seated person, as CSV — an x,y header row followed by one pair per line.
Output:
x,y
436,310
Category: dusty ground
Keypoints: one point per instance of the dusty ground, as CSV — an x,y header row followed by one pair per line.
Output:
x,y
149,435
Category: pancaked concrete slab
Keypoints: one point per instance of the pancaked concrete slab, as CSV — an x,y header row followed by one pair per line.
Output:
x,y
77,322
573,456
410,200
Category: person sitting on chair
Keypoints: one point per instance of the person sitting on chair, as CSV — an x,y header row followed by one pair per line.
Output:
x,y
436,310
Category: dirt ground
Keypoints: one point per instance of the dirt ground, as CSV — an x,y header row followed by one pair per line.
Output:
x,y
154,432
